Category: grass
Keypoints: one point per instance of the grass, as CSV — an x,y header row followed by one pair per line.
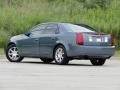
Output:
x,y
1,51
117,53
23,14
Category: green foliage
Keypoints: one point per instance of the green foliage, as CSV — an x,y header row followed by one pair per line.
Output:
x,y
97,3
21,15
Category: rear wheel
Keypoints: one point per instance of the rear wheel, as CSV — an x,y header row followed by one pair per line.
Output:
x,y
45,60
60,55
12,54
98,62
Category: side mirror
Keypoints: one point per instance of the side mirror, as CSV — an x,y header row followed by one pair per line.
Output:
x,y
28,34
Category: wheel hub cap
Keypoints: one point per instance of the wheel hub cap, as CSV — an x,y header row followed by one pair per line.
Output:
x,y
13,53
59,55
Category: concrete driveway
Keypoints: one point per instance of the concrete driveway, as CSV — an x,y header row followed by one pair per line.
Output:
x,y
32,74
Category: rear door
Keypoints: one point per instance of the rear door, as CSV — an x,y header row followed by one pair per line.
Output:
x,y
48,40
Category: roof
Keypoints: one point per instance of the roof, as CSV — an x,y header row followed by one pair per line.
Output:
x,y
80,24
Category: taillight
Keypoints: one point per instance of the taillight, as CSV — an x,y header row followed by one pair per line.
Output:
x,y
113,40
79,39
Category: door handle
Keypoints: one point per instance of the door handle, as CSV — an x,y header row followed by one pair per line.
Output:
x,y
36,39
53,38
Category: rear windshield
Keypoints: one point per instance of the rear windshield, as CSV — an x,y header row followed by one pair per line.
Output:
x,y
78,28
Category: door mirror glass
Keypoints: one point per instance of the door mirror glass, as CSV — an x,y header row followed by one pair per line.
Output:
x,y
28,34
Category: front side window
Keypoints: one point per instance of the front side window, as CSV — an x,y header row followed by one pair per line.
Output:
x,y
38,29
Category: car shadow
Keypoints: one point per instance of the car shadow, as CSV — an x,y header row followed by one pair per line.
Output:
x,y
70,64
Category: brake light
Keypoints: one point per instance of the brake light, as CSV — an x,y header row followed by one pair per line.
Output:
x,y
79,39
113,40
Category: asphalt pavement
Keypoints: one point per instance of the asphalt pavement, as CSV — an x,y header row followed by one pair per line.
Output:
x,y
32,74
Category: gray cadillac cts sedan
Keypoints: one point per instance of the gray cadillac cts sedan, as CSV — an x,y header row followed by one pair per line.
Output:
x,y
61,42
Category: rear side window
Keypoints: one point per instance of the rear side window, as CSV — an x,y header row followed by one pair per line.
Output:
x,y
51,29
77,28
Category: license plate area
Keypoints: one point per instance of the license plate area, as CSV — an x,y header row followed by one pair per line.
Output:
x,y
98,39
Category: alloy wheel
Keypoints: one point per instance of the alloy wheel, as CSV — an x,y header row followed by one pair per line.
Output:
x,y
13,53
60,55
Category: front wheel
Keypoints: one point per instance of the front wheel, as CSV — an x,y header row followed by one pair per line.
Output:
x,y
60,55
12,54
98,62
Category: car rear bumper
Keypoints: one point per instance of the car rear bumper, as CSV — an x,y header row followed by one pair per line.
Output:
x,y
95,51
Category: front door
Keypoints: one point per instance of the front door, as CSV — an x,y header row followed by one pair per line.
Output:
x,y
30,44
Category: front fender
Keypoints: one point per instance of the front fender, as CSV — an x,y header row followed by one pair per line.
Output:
x,y
9,41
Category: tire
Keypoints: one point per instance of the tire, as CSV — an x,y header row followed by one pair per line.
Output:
x,y
60,55
45,60
12,54
98,62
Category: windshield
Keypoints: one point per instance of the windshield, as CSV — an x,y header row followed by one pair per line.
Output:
x,y
78,28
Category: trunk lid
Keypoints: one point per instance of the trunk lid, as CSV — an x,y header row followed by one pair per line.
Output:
x,y
97,39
